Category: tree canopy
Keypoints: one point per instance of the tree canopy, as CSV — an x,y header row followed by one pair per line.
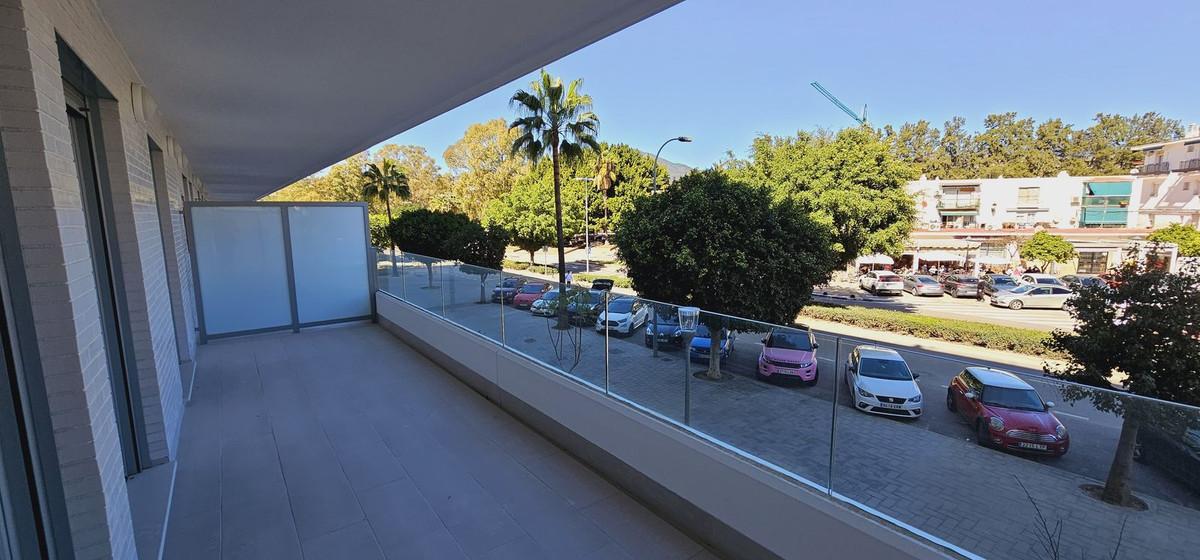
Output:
x,y
1186,237
1143,332
727,247
851,182
1046,248
527,211
482,166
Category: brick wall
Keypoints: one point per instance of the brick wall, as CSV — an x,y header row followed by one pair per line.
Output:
x,y
53,237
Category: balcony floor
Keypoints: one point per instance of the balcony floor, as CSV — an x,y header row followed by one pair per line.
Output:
x,y
347,443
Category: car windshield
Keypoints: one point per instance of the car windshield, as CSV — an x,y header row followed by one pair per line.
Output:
x,y
1003,280
550,295
531,288
510,283
702,331
1009,397
884,369
1046,280
622,305
790,341
968,280
925,279
1022,289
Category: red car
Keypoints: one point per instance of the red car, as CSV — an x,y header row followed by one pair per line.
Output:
x,y
1006,412
528,294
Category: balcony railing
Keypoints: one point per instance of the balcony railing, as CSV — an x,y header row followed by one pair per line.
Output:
x,y
1107,201
921,475
1154,168
958,202
1188,165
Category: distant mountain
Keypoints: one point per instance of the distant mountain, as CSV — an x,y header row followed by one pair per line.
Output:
x,y
674,170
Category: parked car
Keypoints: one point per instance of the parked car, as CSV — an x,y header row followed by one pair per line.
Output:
x,y
1034,296
528,294
1074,281
1175,452
545,306
881,383
1006,412
789,353
880,282
702,344
624,315
961,285
1041,280
992,284
583,306
603,284
507,289
664,325
922,285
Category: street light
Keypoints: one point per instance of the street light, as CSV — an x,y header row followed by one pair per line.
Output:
x,y
654,177
587,214
688,318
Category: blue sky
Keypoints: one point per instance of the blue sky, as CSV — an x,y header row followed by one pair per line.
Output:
x,y
724,71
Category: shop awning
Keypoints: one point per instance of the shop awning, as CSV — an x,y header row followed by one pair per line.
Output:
x,y
939,256
1116,188
874,259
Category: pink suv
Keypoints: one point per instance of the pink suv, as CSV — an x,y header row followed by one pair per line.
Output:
x,y
789,353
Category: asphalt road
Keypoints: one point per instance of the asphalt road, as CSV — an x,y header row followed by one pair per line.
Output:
x,y
966,309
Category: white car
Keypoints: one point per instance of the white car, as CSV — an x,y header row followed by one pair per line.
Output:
x,y
881,281
881,383
1042,280
624,316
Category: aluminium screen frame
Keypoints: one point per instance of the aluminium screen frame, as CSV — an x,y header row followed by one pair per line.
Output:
x,y
294,325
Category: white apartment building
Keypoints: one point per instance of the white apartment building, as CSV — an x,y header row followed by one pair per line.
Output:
x,y
1167,187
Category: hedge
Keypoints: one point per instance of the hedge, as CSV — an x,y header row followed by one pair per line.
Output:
x,y
535,268
618,281
985,335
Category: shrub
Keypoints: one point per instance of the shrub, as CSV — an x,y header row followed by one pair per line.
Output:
x,y
534,268
996,337
618,281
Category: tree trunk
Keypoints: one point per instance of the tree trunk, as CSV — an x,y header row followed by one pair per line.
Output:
x,y
1118,488
482,279
714,353
558,230
531,251
387,201
429,271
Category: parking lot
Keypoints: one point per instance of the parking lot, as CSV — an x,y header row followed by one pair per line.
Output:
x,y
928,473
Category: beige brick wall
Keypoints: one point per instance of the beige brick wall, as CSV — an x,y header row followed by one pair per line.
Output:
x,y
53,237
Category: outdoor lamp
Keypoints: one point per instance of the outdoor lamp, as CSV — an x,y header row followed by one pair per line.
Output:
x,y
684,138
688,317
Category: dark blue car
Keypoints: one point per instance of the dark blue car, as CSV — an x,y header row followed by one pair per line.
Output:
x,y
666,327
702,344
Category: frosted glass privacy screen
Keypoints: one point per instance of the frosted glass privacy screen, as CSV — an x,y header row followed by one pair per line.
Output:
x,y
242,267
329,260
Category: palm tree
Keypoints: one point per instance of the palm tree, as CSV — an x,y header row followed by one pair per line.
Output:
x,y
606,177
558,121
382,181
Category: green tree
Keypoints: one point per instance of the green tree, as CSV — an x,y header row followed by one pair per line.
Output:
x,y
1047,249
483,166
481,250
429,186
851,182
1143,332
555,120
726,247
1187,238
1005,146
959,153
528,212
917,144
1104,146
429,234
382,180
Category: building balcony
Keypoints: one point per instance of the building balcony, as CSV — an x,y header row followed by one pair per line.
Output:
x,y
1154,168
1188,165
958,203
463,428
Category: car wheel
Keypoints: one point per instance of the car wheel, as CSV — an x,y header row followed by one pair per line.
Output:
x,y
982,437
1015,304
950,401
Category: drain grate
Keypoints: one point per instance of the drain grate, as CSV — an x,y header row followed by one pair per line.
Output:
x,y
530,340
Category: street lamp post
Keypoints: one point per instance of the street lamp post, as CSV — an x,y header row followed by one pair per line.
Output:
x,y
654,175
587,216
688,318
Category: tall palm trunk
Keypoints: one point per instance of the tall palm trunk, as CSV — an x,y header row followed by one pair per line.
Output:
x,y
558,230
387,202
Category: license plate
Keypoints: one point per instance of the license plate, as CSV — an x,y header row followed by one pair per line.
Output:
x,y
889,405
1037,446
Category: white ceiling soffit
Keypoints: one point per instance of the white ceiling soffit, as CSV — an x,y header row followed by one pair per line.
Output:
x,y
261,93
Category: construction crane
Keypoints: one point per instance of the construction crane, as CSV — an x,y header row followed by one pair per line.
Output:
x,y
861,119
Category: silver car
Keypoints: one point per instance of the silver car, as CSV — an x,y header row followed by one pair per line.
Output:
x,y
922,285
1032,295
